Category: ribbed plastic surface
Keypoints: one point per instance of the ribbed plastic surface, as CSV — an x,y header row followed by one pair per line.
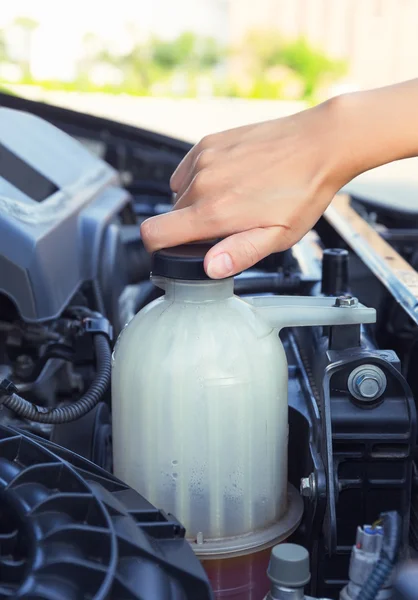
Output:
x,y
70,530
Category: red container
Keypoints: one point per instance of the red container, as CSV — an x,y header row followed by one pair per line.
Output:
x,y
241,577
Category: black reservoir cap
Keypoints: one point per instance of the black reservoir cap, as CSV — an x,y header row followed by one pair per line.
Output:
x,y
182,262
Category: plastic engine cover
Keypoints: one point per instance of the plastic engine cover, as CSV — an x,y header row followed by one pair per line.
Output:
x,y
69,529
56,202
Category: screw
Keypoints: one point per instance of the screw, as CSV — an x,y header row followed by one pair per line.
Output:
x,y
346,302
308,486
367,383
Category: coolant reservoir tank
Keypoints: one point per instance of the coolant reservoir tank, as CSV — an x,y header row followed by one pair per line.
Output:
x,y
199,402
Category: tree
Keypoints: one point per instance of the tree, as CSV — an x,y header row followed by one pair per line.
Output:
x,y
186,51
265,50
312,65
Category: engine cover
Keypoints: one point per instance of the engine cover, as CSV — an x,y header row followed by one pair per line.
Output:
x,y
56,204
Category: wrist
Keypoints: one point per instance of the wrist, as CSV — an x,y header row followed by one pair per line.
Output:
x,y
374,127
349,156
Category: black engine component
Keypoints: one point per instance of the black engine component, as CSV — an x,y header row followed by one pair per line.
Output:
x,y
357,457
71,412
334,272
69,529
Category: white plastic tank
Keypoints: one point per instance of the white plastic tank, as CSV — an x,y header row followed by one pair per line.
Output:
x,y
200,409
199,400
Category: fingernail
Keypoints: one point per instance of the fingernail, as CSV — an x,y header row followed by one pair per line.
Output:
x,y
220,266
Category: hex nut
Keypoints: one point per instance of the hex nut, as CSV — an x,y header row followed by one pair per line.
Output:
x,y
346,302
307,486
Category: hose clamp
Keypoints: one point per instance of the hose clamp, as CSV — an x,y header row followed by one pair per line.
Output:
x,y
7,388
98,325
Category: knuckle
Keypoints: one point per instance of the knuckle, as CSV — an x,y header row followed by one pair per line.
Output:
x,y
173,179
201,182
206,142
203,160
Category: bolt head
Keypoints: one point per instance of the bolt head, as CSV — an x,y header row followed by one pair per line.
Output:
x,y
368,386
306,487
367,383
346,302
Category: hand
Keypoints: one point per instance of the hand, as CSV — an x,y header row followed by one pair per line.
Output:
x,y
260,187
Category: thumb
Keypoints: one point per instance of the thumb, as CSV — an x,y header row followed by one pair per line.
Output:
x,y
243,250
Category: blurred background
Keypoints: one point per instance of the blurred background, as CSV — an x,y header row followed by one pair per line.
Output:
x,y
191,67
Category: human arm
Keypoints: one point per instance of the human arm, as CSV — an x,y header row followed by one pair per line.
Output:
x,y
262,187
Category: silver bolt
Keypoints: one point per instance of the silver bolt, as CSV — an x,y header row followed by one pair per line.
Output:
x,y
308,486
367,383
346,302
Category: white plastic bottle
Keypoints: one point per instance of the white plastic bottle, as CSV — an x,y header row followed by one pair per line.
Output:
x,y
199,399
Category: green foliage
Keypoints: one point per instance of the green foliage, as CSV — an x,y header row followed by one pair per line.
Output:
x,y
269,67
187,51
262,48
169,55
263,89
266,50
312,65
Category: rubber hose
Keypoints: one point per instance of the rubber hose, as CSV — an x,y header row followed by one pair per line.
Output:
x,y
377,578
70,412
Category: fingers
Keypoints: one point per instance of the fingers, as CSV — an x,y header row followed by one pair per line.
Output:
x,y
174,228
182,170
200,155
242,250
200,188
192,162
191,190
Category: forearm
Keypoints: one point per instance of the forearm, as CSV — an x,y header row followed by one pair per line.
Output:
x,y
377,127
263,186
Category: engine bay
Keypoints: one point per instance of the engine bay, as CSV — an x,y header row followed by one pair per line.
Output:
x,y
74,190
